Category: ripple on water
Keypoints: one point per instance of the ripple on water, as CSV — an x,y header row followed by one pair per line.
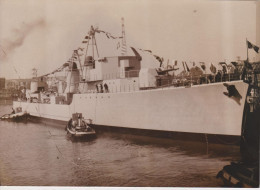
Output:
x,y
39,154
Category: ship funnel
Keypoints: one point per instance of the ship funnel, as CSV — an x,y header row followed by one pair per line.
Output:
x,y
89,64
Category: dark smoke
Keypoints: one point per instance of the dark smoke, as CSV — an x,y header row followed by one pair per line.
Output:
x,y
19,35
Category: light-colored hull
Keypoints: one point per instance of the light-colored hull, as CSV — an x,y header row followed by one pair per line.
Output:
x,y
197,109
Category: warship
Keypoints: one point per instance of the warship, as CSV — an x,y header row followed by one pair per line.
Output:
x,y
118,93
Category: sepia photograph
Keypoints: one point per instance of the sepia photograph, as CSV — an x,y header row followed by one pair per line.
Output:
x,y
125,93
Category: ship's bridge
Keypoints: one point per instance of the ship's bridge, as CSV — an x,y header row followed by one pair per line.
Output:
x,y
112,68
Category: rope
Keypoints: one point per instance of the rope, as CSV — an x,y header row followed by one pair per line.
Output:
x,y
54,141
207,143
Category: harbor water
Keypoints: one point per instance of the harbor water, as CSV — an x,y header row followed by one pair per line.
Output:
x,y
37,154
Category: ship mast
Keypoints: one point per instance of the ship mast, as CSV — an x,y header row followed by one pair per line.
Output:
x,y
123,48
92,37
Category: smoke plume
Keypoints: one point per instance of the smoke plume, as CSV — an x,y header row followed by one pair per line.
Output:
x,y
18,36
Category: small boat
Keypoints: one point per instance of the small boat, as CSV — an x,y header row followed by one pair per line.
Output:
x,y
77,127
240,175
15,116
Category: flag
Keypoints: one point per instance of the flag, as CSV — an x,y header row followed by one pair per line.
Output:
x,y
213,69
84,42
250,46
87,37
203,66
256,49
188,69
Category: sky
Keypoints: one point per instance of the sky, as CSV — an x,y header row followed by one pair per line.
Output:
x,y
42,34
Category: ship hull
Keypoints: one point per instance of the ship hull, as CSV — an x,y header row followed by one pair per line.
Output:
x,y
200,109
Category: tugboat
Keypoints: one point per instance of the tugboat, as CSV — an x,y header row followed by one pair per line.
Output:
x,y
77,127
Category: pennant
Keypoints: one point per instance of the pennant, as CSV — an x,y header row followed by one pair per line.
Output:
x,y
188,69
84,42
98,31
213,69
145,50
80,48
203,66
148,50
